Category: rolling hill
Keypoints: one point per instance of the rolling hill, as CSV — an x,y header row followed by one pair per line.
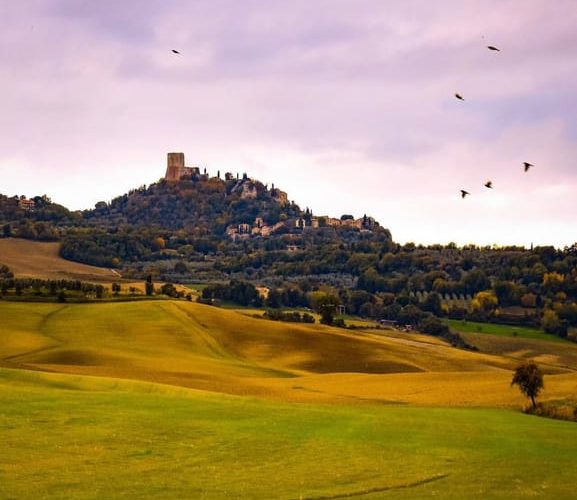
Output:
x,y
168,399
78,437
207,348
36,259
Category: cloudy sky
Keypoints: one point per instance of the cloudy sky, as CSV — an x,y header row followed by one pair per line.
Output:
x,y
346,104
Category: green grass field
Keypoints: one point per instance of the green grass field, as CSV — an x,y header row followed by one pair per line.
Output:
x,y
502,330
171,399
72,437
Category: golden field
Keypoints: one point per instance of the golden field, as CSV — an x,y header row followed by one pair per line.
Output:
x,y
218,350
38,259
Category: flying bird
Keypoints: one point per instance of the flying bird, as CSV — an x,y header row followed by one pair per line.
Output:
x,y
460,97
492,47
464,193
174,51
489,184
527,166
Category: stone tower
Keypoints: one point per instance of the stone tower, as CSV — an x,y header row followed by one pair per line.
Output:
x,y
175,168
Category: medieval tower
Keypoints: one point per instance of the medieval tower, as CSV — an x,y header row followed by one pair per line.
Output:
x,y
175,168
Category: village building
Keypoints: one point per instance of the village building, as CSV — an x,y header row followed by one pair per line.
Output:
x,y
244,228
249,189
26,204
175,169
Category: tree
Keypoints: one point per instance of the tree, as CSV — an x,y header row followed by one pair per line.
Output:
x,y
552,282
169,289
327,313
476,280
552,324
410,315
326,304
149,287
432,304
529,378
274,299
180,267
433,326
485,302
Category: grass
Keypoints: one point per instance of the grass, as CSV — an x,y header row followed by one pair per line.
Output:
x,y
36,259
197,287
73,437
381,414
79,298
203,347
501,330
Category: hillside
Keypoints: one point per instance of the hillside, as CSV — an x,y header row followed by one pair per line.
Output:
x,y
174,399
75,437
191,228
208,205
35,259
219,350
170,399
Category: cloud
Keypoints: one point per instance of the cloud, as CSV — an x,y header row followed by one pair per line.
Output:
x,y
349,105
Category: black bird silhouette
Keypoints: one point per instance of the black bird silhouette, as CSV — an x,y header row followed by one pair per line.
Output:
x,y
527,166
492,47
174,51
460,97
464,193
489,184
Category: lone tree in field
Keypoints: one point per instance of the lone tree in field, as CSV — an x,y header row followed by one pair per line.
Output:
x,y
529,379
148,286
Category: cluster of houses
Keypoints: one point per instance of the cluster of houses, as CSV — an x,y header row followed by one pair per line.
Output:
x,y
296,225
247,188
26,204
29,204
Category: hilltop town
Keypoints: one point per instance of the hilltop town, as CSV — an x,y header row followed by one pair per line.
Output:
x,y
249,189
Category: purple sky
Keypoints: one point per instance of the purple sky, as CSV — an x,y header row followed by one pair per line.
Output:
x,y
347,105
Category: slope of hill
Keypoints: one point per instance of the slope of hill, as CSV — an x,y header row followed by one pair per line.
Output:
x,y
35,259
218,350
75,437
87,412
206,204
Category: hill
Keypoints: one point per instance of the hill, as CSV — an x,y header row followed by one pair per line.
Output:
x,y
218,350
190,227
75,437
175,399
37,259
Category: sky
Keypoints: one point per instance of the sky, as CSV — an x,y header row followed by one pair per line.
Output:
x,y
348,105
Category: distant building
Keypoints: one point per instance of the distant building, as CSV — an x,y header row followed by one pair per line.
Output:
x,y
175,169
300,223
26,204
244,229
249,190
332,222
